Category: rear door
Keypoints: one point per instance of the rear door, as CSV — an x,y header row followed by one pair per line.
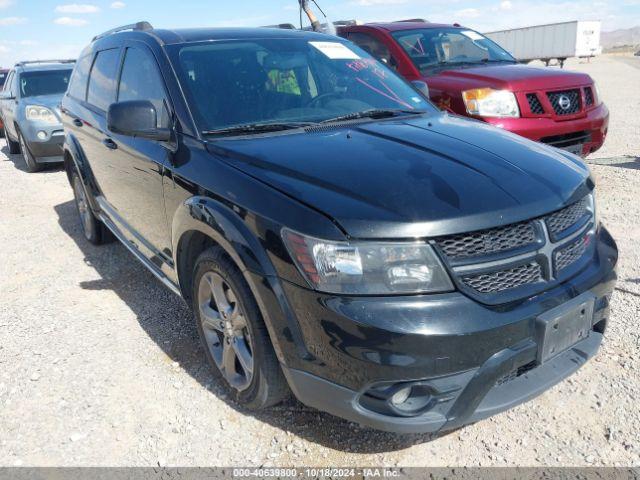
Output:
x,y
101,92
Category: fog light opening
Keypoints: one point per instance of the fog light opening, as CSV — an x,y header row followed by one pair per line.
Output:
x,y
401,396
42,135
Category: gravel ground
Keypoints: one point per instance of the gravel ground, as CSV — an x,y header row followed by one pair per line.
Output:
x,y
101,366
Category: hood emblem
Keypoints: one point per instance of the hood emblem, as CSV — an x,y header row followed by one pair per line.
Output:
x,y
564,102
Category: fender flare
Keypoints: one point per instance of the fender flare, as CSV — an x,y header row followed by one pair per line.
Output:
x,y
224,225
73,150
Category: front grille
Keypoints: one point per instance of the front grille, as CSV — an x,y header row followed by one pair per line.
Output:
x,y
559,222
495,264
502,280
488,242
571,254
565,103
588,96
534,104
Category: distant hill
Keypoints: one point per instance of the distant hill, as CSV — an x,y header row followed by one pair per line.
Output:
x,y
618,39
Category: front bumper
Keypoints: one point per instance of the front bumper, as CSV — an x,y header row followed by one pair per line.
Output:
x,y
480,396
474,360
47,149
589,131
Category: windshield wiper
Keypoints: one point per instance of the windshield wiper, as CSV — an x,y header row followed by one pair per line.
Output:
x,y
374,113
250,128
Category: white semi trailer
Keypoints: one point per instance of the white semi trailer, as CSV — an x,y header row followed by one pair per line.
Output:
x,y
557,41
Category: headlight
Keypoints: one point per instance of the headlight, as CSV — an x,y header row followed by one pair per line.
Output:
x,y
598,99
486,102
37,113
367,268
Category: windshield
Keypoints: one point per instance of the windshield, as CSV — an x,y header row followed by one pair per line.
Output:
x,y
52,82
431,48
232,83
3,77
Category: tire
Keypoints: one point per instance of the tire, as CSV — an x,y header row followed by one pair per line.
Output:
x,y
14,147
240,333
93,229
29,159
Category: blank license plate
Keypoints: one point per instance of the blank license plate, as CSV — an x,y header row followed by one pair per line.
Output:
x,y
561,328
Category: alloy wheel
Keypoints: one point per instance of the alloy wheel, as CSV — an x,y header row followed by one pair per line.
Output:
x,y
226,330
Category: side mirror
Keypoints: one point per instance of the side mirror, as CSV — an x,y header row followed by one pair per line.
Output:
x,y
6,95
137,118
422,88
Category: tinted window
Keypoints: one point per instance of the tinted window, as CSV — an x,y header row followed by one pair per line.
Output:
x,y
54,82
102,90
3,77
434,47
373,46
78,86
141,80
286,80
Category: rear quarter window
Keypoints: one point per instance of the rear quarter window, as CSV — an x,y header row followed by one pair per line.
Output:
x,y
102,88
78,85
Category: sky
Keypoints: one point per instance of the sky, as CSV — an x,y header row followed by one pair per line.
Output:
x,y
37,29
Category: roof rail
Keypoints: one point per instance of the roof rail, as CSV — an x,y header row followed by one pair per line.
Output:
x,y
347,23
140,26
33,62
412,20
283,26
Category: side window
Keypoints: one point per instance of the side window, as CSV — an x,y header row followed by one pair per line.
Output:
x,y
374,47
141,80
8,81
78,85
102,91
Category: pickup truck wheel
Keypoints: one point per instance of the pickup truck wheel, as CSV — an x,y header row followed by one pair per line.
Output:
x,y
32,165
92,228
233,333
14,147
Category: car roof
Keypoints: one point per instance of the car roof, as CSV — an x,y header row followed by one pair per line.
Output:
x,y
190,35
398,26
43,67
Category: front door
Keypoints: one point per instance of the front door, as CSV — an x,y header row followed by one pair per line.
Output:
x,y
138,163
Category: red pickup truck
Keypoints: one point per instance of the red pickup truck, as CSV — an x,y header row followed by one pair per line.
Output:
x,y
469,74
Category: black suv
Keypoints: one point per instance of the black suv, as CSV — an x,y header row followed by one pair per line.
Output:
x,y
333,231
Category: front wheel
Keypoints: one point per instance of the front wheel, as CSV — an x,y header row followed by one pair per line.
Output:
x,y
233,333
29,159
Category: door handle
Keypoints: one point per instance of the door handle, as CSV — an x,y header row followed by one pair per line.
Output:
x,y
77,122
110,144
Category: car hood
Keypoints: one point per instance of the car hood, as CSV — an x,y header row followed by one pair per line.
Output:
x,y
50,101
514,77
408,178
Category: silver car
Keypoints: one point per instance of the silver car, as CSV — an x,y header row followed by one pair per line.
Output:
x,y
30,112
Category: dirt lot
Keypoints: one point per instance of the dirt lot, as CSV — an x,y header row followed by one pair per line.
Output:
x,y
100,365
